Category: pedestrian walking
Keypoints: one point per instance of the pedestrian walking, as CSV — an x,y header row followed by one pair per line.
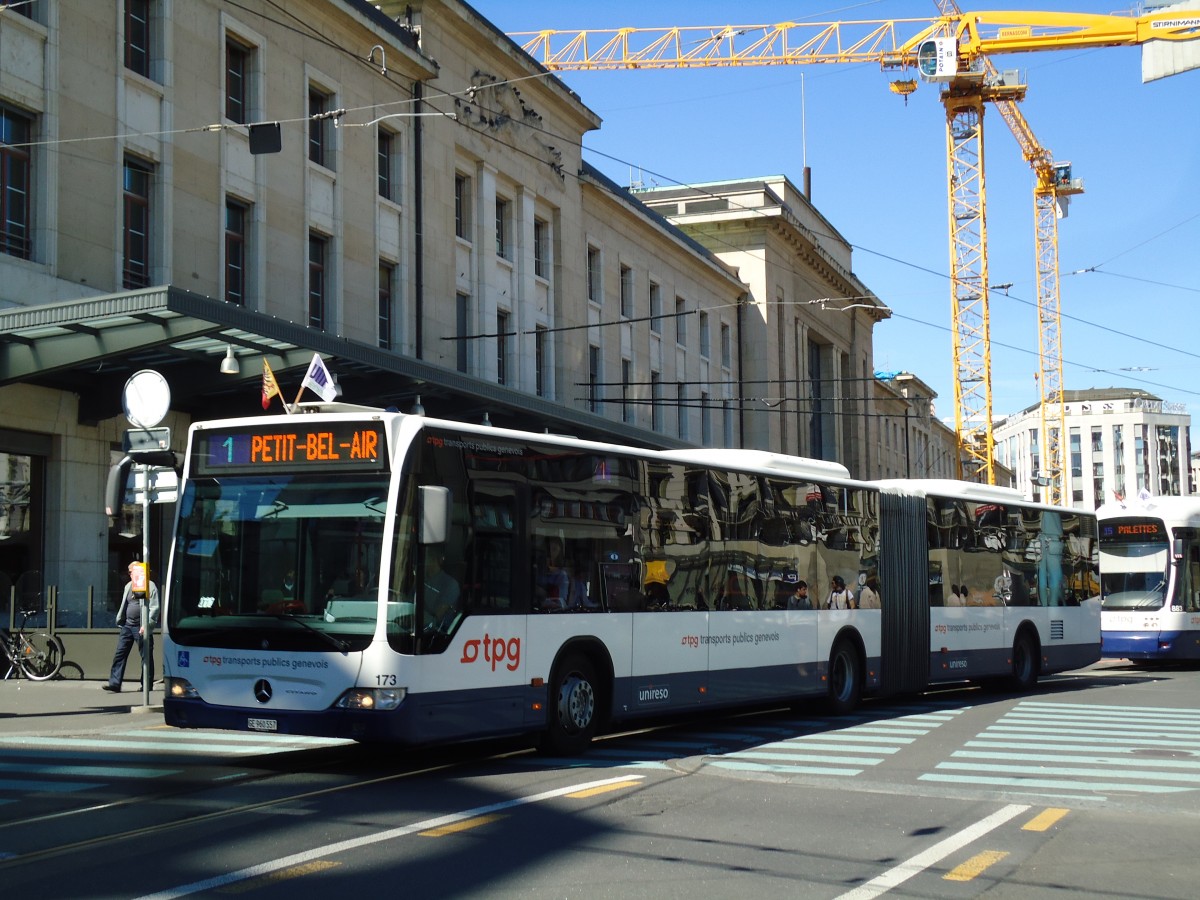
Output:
x,y
140,597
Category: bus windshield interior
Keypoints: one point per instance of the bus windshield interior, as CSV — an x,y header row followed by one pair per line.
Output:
x,y
293,555
1133,576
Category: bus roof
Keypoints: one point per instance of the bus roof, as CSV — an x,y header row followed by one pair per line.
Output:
x,y
948,487
1183,510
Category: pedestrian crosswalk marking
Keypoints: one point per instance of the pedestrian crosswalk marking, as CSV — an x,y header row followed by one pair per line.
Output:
x,y
93,771
29,786
200,747
1047,747
1056,784
841,747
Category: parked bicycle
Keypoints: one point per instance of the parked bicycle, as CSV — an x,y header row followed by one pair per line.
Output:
x,y
37,655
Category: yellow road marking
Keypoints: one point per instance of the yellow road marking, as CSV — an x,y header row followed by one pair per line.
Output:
x,y
251,884
1044,820
456,827
975,865
602,789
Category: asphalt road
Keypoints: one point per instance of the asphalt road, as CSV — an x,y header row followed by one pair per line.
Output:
x,y
1086,787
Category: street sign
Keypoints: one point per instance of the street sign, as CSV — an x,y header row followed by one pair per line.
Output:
x,y
164,485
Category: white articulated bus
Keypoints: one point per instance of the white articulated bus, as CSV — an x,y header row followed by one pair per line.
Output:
x,y
1150,578
390,577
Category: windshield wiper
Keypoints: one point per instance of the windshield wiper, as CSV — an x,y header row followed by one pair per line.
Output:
x,y
337,642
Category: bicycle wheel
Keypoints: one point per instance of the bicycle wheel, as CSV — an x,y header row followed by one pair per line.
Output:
x,y
41,655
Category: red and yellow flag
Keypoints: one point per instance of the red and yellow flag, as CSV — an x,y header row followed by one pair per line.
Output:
x,y
270,387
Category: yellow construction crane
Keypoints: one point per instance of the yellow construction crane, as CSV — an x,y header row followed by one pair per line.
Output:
x,y
1052,190
952,51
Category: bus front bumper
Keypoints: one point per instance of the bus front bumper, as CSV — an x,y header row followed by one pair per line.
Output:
x,y
1149,645
370,726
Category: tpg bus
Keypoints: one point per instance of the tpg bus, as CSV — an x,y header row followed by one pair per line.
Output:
x,y
1150,578
389,577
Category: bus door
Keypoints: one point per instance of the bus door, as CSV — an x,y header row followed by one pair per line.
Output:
x,y
474,648
1187,574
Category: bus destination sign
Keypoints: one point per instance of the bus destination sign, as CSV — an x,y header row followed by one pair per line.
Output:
x,y
1138,531
295,447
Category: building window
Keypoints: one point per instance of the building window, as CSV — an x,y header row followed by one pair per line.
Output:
x,y
503,228
386,143
462,206
1168,462
24,7
705,420
726,346
626,292
540,335
626,378
1119,461
22,515
593,274
137,36
501,347
817,419
680,321
237,81
320,127
387,281
593,378
136,268
1140,462
705,345
318,249
681,406
655,308
235,252
541,249
462,322
656,401
15,183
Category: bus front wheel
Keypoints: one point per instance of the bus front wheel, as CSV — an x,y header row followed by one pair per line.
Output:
x,y
845,679
572,714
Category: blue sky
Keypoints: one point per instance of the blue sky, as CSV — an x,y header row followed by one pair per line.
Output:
x,y
879,176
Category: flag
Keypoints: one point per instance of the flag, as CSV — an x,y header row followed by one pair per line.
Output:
x,y
270,387
318,380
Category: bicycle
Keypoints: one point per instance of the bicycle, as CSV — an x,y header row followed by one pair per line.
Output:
x,y
36,655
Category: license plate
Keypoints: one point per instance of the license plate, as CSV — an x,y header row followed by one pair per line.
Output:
x,y
262,724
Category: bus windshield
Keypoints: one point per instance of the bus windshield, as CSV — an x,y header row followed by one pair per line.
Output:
x,y
1133,576
291,560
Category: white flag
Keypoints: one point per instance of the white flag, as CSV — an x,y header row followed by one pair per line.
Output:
x,y
318,380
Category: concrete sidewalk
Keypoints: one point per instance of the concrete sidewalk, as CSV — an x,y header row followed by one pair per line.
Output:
x,y
72,706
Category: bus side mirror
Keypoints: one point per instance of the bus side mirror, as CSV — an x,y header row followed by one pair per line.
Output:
x,y
434,501
114,489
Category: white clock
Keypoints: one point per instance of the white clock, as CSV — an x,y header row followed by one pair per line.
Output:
x,y
146,398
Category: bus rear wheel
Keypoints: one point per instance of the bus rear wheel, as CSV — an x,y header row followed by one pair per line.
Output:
x,y
573,713
1024,663
845,679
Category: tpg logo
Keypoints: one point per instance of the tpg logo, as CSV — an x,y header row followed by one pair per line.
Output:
x,y
495,650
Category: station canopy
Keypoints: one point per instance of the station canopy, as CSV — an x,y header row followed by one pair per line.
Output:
x,y
91,346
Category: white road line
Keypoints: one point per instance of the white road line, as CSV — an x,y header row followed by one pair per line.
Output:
x,y
926,858
296,859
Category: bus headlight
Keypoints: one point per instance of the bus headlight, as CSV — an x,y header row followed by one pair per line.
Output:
x,y
180,689
372,698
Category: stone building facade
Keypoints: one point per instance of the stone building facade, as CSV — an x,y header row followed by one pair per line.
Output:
x,y
398,188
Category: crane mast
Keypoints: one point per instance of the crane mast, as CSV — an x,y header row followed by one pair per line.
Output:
x,y
953,50
1052,189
